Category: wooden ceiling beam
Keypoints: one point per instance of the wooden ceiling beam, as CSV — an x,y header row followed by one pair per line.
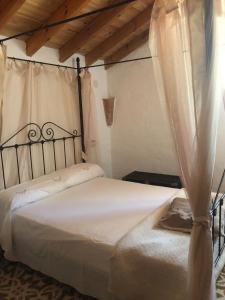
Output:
x,y
68,9
8,9
128,48
121,35
82,37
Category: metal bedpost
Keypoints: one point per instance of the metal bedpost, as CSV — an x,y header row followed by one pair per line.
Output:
x,y
80,107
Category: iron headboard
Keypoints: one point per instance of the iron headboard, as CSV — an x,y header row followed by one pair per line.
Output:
x,y
39,135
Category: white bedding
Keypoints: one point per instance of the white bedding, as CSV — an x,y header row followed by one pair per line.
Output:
x,y
37,190
34,190
71,234
150,264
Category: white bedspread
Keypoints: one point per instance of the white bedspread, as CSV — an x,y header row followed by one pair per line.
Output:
x,y
150,264
72,235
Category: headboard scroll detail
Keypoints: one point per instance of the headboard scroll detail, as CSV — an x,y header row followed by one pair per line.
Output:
x,y
34,134
39,133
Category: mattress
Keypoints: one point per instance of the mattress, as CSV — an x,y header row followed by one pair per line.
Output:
x,y
72,234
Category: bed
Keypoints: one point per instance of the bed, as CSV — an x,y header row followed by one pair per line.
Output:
x,y
71,234
96,234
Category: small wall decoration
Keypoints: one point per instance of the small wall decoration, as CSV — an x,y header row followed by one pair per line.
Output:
x,y
108,104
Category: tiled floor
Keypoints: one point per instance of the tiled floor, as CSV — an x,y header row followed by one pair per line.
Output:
x,y
18,282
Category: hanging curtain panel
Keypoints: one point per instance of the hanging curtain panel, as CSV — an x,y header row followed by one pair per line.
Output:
x,y
2,76
187,45
2,87
37,93
89,118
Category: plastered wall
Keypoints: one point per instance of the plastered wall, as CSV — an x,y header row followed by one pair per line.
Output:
x,y
140,137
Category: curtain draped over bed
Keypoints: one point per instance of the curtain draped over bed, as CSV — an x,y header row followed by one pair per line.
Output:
x,y
37,93
89,117
187,45
2,75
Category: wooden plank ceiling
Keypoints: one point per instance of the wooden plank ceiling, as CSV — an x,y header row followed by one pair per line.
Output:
x,y
110,35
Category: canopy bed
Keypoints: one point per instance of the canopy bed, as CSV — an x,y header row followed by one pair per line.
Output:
x,y
45,226
101,235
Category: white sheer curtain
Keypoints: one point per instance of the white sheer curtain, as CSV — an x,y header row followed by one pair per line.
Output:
x,y
89,118
187,45
2,76
37,93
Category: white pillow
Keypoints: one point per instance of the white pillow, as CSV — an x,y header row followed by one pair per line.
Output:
x,y
51,186
39,188
26,197
80,173
37,192
51,183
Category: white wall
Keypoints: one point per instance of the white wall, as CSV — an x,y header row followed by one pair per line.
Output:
x,y
141,137
100,88
16,48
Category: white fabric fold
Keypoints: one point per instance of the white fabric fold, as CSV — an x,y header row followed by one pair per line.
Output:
x,y
90,134
2,80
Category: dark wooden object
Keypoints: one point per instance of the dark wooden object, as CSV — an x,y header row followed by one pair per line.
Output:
x,y
154,179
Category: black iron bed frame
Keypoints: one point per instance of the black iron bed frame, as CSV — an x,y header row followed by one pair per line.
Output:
x,y
38,135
